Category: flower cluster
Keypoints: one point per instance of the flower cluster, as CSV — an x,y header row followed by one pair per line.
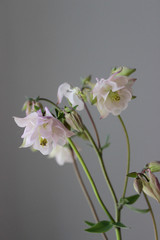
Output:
x,y
43,132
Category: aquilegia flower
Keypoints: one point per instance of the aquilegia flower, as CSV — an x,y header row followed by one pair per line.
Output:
x,y
62,154
73,95
43,132
151,186
113,94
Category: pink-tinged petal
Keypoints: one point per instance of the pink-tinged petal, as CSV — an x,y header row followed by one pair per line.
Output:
x,y
47,112
62,91
62,155
75,100
118,83
22,122
131,81
102,109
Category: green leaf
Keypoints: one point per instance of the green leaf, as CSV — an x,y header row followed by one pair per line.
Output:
x,y
100,227
133,97
107,143
89,223
132,199
86,80
132,175
119,225
36,108
94,100
137,209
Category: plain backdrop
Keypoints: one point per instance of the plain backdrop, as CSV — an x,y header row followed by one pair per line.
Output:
x,y
44,43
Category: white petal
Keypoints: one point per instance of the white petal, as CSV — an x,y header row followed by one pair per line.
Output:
x,y
62,91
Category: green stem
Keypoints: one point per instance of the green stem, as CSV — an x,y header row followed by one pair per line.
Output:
x,y
99,154
153,218
84,189
90,179
93,124
128,157
49,101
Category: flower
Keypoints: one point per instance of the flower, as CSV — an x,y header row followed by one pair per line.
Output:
x,y
113,94
154,166
151,186
42,132
62,154
73,95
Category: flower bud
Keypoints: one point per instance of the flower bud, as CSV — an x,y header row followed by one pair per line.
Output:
x,y
154,166
138,186
123,71
75,121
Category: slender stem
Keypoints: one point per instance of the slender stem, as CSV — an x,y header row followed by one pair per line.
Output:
x,y
128,157
99,154
153,218
90,180
102,166
93,124
86,192
49,101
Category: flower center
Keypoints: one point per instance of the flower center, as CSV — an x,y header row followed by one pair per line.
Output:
x,y
114,96
43,141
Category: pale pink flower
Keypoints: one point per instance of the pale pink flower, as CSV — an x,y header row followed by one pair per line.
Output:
x,y
113,94
62,154
43,132
73,95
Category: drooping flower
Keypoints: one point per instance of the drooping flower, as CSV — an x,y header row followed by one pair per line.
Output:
x,y
42,132
62,154
151,186
113,94
73,95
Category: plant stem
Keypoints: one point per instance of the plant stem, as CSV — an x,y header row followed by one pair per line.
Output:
x,y
93,124
152,215
128,157
90,180
49,101
99,154
86,192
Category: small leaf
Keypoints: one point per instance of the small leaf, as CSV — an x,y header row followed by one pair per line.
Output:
x,y
56,110
132,199
133,97
137,209
107,144
89,223
100,227
132,175
36,108
119,225
93,101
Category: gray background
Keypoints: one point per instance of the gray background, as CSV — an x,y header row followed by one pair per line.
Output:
x,y
45,43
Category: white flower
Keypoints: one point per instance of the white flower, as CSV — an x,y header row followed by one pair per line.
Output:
x,y
42,132
113,94
72,94
62,154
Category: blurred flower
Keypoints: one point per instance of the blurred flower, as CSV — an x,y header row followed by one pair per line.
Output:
x,y
73,95
62,154
151,186
42,132
154,166
113,94
137,184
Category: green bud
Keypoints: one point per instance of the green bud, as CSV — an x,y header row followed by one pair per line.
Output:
x,y
154,166
75,121
137,184
87,80
123,71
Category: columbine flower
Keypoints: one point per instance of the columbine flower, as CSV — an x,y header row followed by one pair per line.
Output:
x,y
152,186
62,154
73,95
42,132
154,166
113,94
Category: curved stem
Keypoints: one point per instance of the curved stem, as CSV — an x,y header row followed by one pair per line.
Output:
x,y
93,124
49,101
128,157
153,218
99,154
86,192
90,179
